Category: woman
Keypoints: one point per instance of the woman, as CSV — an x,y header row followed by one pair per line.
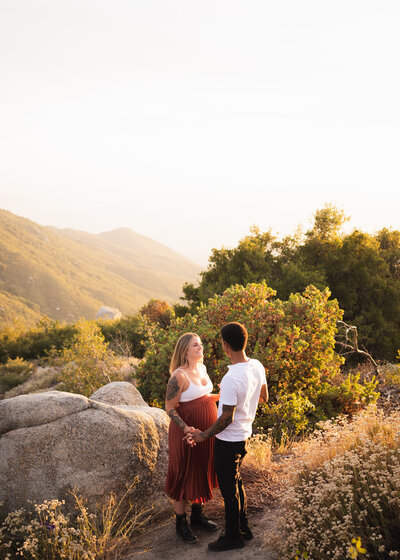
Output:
x,y
191,476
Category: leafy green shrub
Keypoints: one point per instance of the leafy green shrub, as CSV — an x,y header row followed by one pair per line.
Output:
x,y
13,373
347,398
125,335
294,339
286,419
88,363
297,414
36,342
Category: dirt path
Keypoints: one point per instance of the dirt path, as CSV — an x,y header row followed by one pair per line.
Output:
x,y
160,542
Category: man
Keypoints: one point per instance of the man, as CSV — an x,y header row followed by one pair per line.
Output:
x,y
242,388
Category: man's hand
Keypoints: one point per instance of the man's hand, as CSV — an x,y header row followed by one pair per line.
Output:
x,y
197,436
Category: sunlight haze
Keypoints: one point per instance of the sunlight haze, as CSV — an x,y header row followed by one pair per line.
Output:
x,y
190,121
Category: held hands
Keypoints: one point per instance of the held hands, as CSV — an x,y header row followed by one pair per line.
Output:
x,y
197,436
188,435
193,436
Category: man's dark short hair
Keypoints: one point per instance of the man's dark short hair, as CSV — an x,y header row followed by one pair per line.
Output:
x,y
235,334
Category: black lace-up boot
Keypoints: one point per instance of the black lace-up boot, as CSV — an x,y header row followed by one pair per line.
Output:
x,y
183,529
198,518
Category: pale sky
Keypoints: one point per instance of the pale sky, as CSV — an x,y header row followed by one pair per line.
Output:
x,y
189,121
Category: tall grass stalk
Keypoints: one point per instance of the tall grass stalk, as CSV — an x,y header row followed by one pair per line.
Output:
x,y
46,533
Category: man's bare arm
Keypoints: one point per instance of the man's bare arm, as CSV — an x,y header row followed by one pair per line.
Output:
x,y
226,418
263,394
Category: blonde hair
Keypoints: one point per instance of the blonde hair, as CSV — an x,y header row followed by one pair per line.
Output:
x,y
179,356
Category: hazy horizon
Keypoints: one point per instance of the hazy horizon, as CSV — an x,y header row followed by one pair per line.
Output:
x,y
188,122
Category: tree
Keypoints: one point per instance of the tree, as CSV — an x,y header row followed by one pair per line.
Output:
x,y
253,260
158,312
87,364
361,270
328,222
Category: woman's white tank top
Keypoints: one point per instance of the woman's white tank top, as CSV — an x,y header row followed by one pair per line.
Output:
x,y
196,391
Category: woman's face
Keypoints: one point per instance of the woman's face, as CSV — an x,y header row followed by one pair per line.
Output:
x,y
195,349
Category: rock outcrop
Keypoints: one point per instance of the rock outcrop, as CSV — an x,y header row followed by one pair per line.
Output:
x,y
55,441
108,313
119,393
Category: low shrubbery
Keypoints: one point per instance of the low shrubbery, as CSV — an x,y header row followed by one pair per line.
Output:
x,y
296,414
16,341
45,532
41,379
13,373
390,376
345,492
125,336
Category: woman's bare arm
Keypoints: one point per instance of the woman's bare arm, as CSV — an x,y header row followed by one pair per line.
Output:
x,y
222,422
176,385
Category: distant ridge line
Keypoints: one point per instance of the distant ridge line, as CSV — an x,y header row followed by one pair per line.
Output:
x,y
65,273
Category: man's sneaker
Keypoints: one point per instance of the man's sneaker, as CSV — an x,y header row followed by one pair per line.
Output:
x,y
246,533
226,542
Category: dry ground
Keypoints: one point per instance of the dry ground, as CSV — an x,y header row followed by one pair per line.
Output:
x,y
160,542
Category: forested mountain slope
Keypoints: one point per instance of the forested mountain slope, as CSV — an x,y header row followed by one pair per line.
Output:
x,y
65,274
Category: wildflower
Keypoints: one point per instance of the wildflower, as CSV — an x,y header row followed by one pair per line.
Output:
x,y
304,555
356,548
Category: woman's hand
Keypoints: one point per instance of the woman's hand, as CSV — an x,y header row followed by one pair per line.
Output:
x,y
189,436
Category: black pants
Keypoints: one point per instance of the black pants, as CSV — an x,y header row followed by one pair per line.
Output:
x,y
228,457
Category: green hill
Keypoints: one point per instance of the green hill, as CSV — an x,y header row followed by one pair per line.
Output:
x,y
66,274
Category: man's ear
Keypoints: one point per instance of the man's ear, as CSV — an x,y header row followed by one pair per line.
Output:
x,y
225,346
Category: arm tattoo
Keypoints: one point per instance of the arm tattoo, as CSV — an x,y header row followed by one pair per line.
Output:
x,y
177,419
222,422
172,388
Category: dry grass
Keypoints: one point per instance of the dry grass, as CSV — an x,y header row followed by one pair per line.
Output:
x,y
47,533
44,378
260,474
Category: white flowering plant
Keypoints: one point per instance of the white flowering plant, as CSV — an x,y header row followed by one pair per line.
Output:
x,y
44,532
344,501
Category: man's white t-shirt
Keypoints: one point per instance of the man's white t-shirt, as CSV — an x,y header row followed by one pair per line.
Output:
x,y
241,387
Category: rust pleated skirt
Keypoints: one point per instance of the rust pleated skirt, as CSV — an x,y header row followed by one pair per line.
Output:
x,y
191,476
